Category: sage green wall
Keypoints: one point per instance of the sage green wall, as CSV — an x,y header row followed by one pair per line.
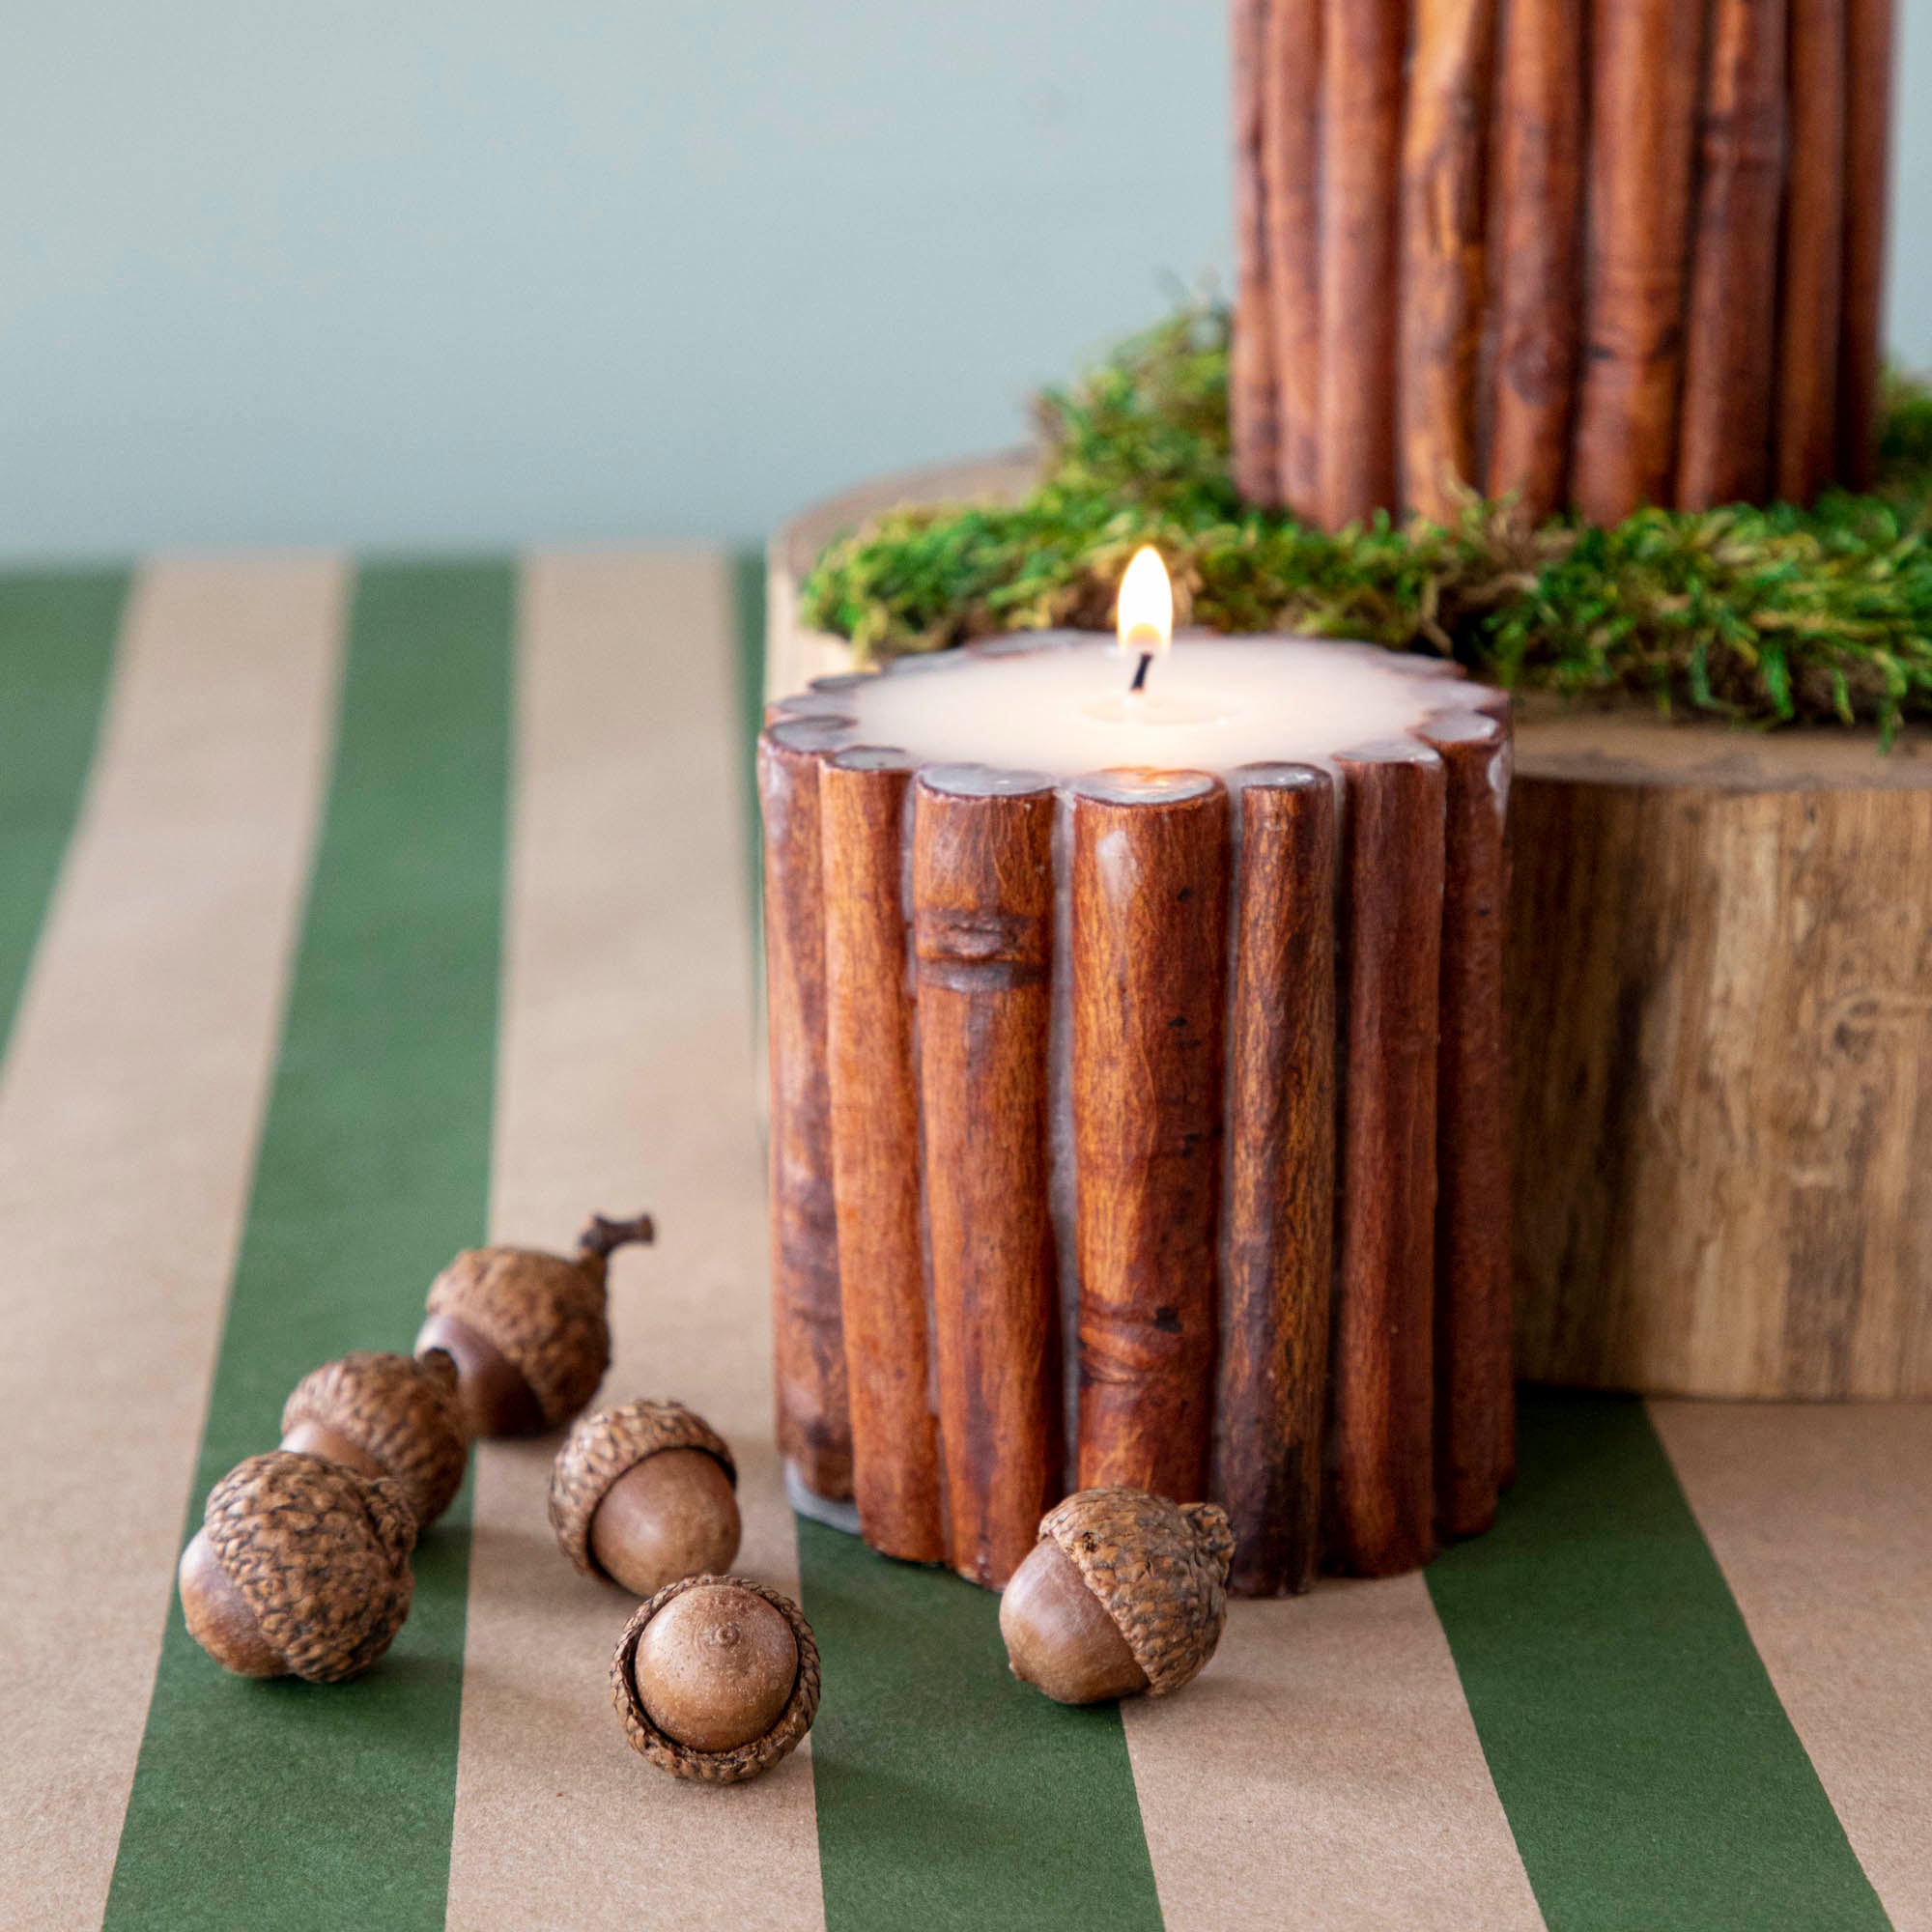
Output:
x,y
461,274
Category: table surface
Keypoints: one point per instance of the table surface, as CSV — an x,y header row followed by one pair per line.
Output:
x,y
352,913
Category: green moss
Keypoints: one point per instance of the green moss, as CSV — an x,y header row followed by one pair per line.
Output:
x,y
1765,614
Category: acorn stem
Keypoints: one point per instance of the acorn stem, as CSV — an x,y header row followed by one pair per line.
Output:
x,y
604,1237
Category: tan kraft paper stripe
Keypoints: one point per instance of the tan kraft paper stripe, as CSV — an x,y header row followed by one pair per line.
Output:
x,y
624,1082
1325,1772
128,1114
1820,1517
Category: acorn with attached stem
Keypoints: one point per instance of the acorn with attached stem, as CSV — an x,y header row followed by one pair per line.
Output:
x,y
385,1415
301,1569
644,1495
527,1330
1125,1593
716,1678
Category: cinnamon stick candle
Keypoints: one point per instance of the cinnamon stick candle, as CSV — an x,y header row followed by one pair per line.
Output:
x,y
1645,57
875,1118
814,1428
1124,975
983,903
1729,352
1149,932
1383,1497
1277,1225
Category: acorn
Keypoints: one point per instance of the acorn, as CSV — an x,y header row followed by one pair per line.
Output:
x,y
716,1678
385,1415
301,1569
644,1494
527,1330
1124,1592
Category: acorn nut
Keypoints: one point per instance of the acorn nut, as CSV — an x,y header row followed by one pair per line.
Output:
x,y
301,1569
716,1678
385,1415
527,1330
1124,1592
644,1494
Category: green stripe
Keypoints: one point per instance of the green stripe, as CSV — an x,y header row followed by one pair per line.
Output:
x,y
57,635
947,1793
1650,1774
283,1804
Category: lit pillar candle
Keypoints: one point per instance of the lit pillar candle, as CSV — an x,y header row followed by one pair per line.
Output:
x,y
1128,965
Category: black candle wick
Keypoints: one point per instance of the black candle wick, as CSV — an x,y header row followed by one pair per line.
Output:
x,y
1140,674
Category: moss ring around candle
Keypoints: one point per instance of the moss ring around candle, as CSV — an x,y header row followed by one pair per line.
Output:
x,y
725,1660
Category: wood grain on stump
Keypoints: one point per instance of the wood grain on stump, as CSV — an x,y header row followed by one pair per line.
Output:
x,y
1720,981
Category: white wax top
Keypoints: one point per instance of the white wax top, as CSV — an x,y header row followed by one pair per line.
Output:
x,y
1209,704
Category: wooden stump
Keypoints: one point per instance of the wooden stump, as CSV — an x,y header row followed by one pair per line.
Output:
x,y
1593,252
1721,973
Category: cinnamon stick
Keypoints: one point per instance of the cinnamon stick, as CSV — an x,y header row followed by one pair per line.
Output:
x,y
982,936
1291,172
1149,913
1645,59
814,1428
1724,438
1539,188
1807,416
1475,1391
1381,1506
874,1114
1277,1227
1450,74
1251,383
1362,49
1868,89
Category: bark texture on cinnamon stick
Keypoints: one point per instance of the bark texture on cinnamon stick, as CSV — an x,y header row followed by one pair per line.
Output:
x,y
1450,70
1729,352
1807,418
1538,200
1381,1506
1475,1390
1868,85
1362,49
874,1110
1645,60
814,1425
982,936
1290,168
1251,400
1278,1219
1150,915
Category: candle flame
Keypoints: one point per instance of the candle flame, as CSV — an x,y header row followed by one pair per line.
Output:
x,y
1145,616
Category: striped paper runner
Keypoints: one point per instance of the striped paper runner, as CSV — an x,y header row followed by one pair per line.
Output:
x,y
351,915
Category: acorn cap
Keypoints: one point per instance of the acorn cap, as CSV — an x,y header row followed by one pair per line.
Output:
x,y
400,1410
741,1761
600,1448
1159,1569
545,1314
319,1554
